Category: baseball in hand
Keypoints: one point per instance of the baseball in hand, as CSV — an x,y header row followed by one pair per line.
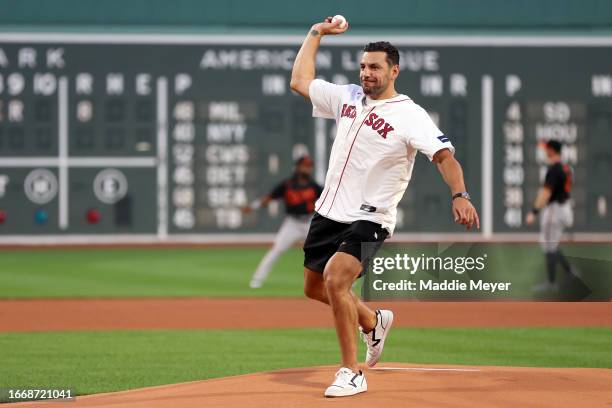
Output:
x,y
340,18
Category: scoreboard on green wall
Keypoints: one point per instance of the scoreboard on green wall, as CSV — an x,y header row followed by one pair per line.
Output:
x,y
169,135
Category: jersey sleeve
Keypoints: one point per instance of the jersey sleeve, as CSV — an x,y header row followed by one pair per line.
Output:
x,y
326,98
424,136
278,191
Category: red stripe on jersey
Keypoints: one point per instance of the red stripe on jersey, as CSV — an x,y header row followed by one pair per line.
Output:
x,y
329,188
347,160
403,100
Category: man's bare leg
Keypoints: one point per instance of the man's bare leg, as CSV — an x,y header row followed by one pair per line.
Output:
x,y
339,275
314,288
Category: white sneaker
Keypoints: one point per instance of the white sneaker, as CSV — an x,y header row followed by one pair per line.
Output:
x,y
255,284
347,383
375,340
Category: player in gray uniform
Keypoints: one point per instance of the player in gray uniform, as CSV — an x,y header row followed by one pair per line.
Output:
x,y
553,205
299,193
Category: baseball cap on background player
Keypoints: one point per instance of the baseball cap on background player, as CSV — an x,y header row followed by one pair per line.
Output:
x,y
551,144
551,148
554,145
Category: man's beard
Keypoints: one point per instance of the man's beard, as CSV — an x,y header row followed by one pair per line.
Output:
x,y
372,90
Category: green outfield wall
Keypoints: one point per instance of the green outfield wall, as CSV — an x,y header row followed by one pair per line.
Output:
x,y
436,14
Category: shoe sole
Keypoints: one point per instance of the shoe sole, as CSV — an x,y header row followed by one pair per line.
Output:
x,y
345,395
382,342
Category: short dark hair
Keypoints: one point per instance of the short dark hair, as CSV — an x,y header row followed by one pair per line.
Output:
x,y
555,145
386,47
306,159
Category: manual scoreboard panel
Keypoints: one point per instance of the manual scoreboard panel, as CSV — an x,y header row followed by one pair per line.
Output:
x,y
120,134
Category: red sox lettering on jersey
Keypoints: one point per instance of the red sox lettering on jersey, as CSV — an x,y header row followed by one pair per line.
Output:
x,y
377,123
374,121
348,111
373,153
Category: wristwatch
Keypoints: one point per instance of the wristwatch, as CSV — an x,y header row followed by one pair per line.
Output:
x,y
463,194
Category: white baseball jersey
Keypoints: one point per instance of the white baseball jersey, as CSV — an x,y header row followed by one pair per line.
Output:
x,y
373,153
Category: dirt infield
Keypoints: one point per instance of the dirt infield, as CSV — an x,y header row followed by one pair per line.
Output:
x,y
392,385
203,313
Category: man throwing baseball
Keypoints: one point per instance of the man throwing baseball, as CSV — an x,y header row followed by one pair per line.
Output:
x,y
379,132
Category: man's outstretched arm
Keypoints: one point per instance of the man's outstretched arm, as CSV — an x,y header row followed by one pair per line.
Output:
x,y
463,210
257,204
304,66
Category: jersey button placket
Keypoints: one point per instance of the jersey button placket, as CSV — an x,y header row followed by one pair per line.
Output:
x,y
352,135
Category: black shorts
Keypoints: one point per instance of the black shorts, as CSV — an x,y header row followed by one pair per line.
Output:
x,y
326,237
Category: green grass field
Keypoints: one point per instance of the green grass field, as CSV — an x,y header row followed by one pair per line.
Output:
x,y
144,272
202,272
114,360
104,361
